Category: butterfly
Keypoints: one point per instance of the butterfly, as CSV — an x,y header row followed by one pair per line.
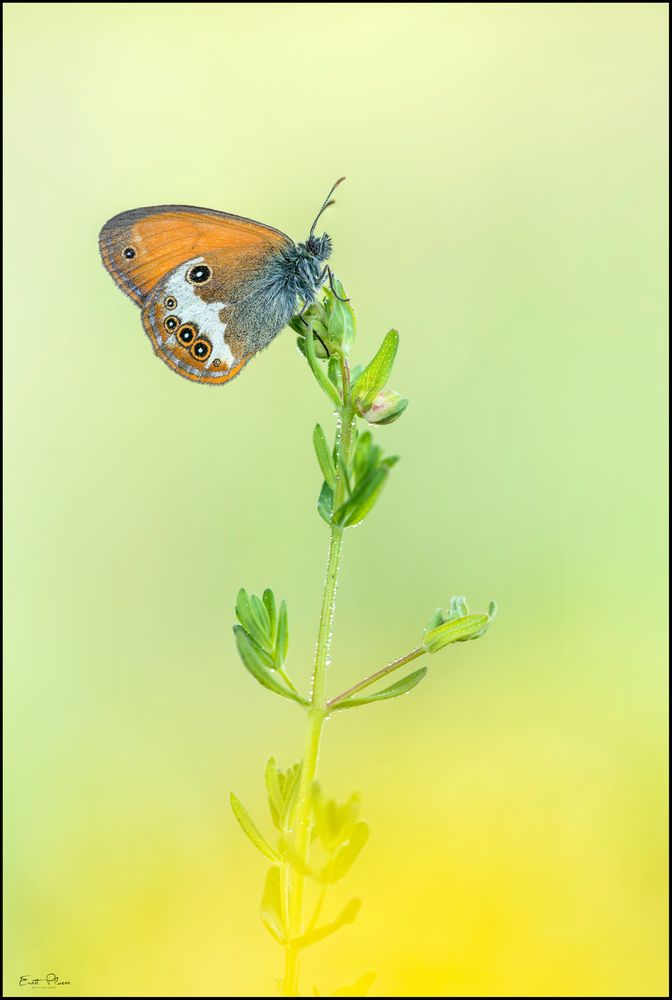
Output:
x,y
214,288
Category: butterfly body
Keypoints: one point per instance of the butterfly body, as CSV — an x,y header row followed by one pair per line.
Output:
x,y
214,288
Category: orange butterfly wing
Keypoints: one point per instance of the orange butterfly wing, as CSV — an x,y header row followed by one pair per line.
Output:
x,y
213,314
142,246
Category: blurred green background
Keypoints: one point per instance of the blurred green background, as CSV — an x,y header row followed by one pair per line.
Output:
x,y
505,209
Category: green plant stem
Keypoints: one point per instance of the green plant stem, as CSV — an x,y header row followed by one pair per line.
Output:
x,y
372,678
317,711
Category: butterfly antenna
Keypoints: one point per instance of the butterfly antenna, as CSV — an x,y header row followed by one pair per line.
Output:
x,y
327,202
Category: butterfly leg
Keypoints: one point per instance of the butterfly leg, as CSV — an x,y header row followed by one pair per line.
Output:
x,y
331,284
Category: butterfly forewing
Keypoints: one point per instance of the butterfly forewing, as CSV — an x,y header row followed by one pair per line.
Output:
x,y
140,247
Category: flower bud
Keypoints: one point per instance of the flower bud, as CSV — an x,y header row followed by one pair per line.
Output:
x,y
386,407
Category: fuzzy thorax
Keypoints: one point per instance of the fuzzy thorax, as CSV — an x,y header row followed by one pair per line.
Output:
x,y
296,273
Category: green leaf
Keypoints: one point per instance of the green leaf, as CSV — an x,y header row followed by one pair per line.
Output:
x,y
282,643
250,830
347,916
262,622
393,691
324,382
314,318
266,659
457,630
335,374
458,608
275,797
271,907
492,611
269,603
291,795
365,456
296,324
244,610
435,620
363,498
340,864
342,325
282,788
323,452
252,657
334,823
254,617
325,502
376,373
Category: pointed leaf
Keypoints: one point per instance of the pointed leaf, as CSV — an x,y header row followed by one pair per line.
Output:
x,y
291,793
275,798
282,643
340,864
458,608
457,630
335,374
347,916
269,602
393,691
325,502
249,653
342,322
244,610
362,499
376,373
262,623
492,611
271,906
248,828
334,823
324,382
365,455
323,452
265,659
435,620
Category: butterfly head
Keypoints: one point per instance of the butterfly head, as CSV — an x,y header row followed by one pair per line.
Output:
x,y
318,247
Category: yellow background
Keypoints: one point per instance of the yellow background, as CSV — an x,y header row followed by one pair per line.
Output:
x,y
505,209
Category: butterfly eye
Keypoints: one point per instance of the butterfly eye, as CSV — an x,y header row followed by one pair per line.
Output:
x,y
199,274
171,323
186,334
170,302
202,349
129,253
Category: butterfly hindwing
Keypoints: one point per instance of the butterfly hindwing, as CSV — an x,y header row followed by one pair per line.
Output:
x,y
201,316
